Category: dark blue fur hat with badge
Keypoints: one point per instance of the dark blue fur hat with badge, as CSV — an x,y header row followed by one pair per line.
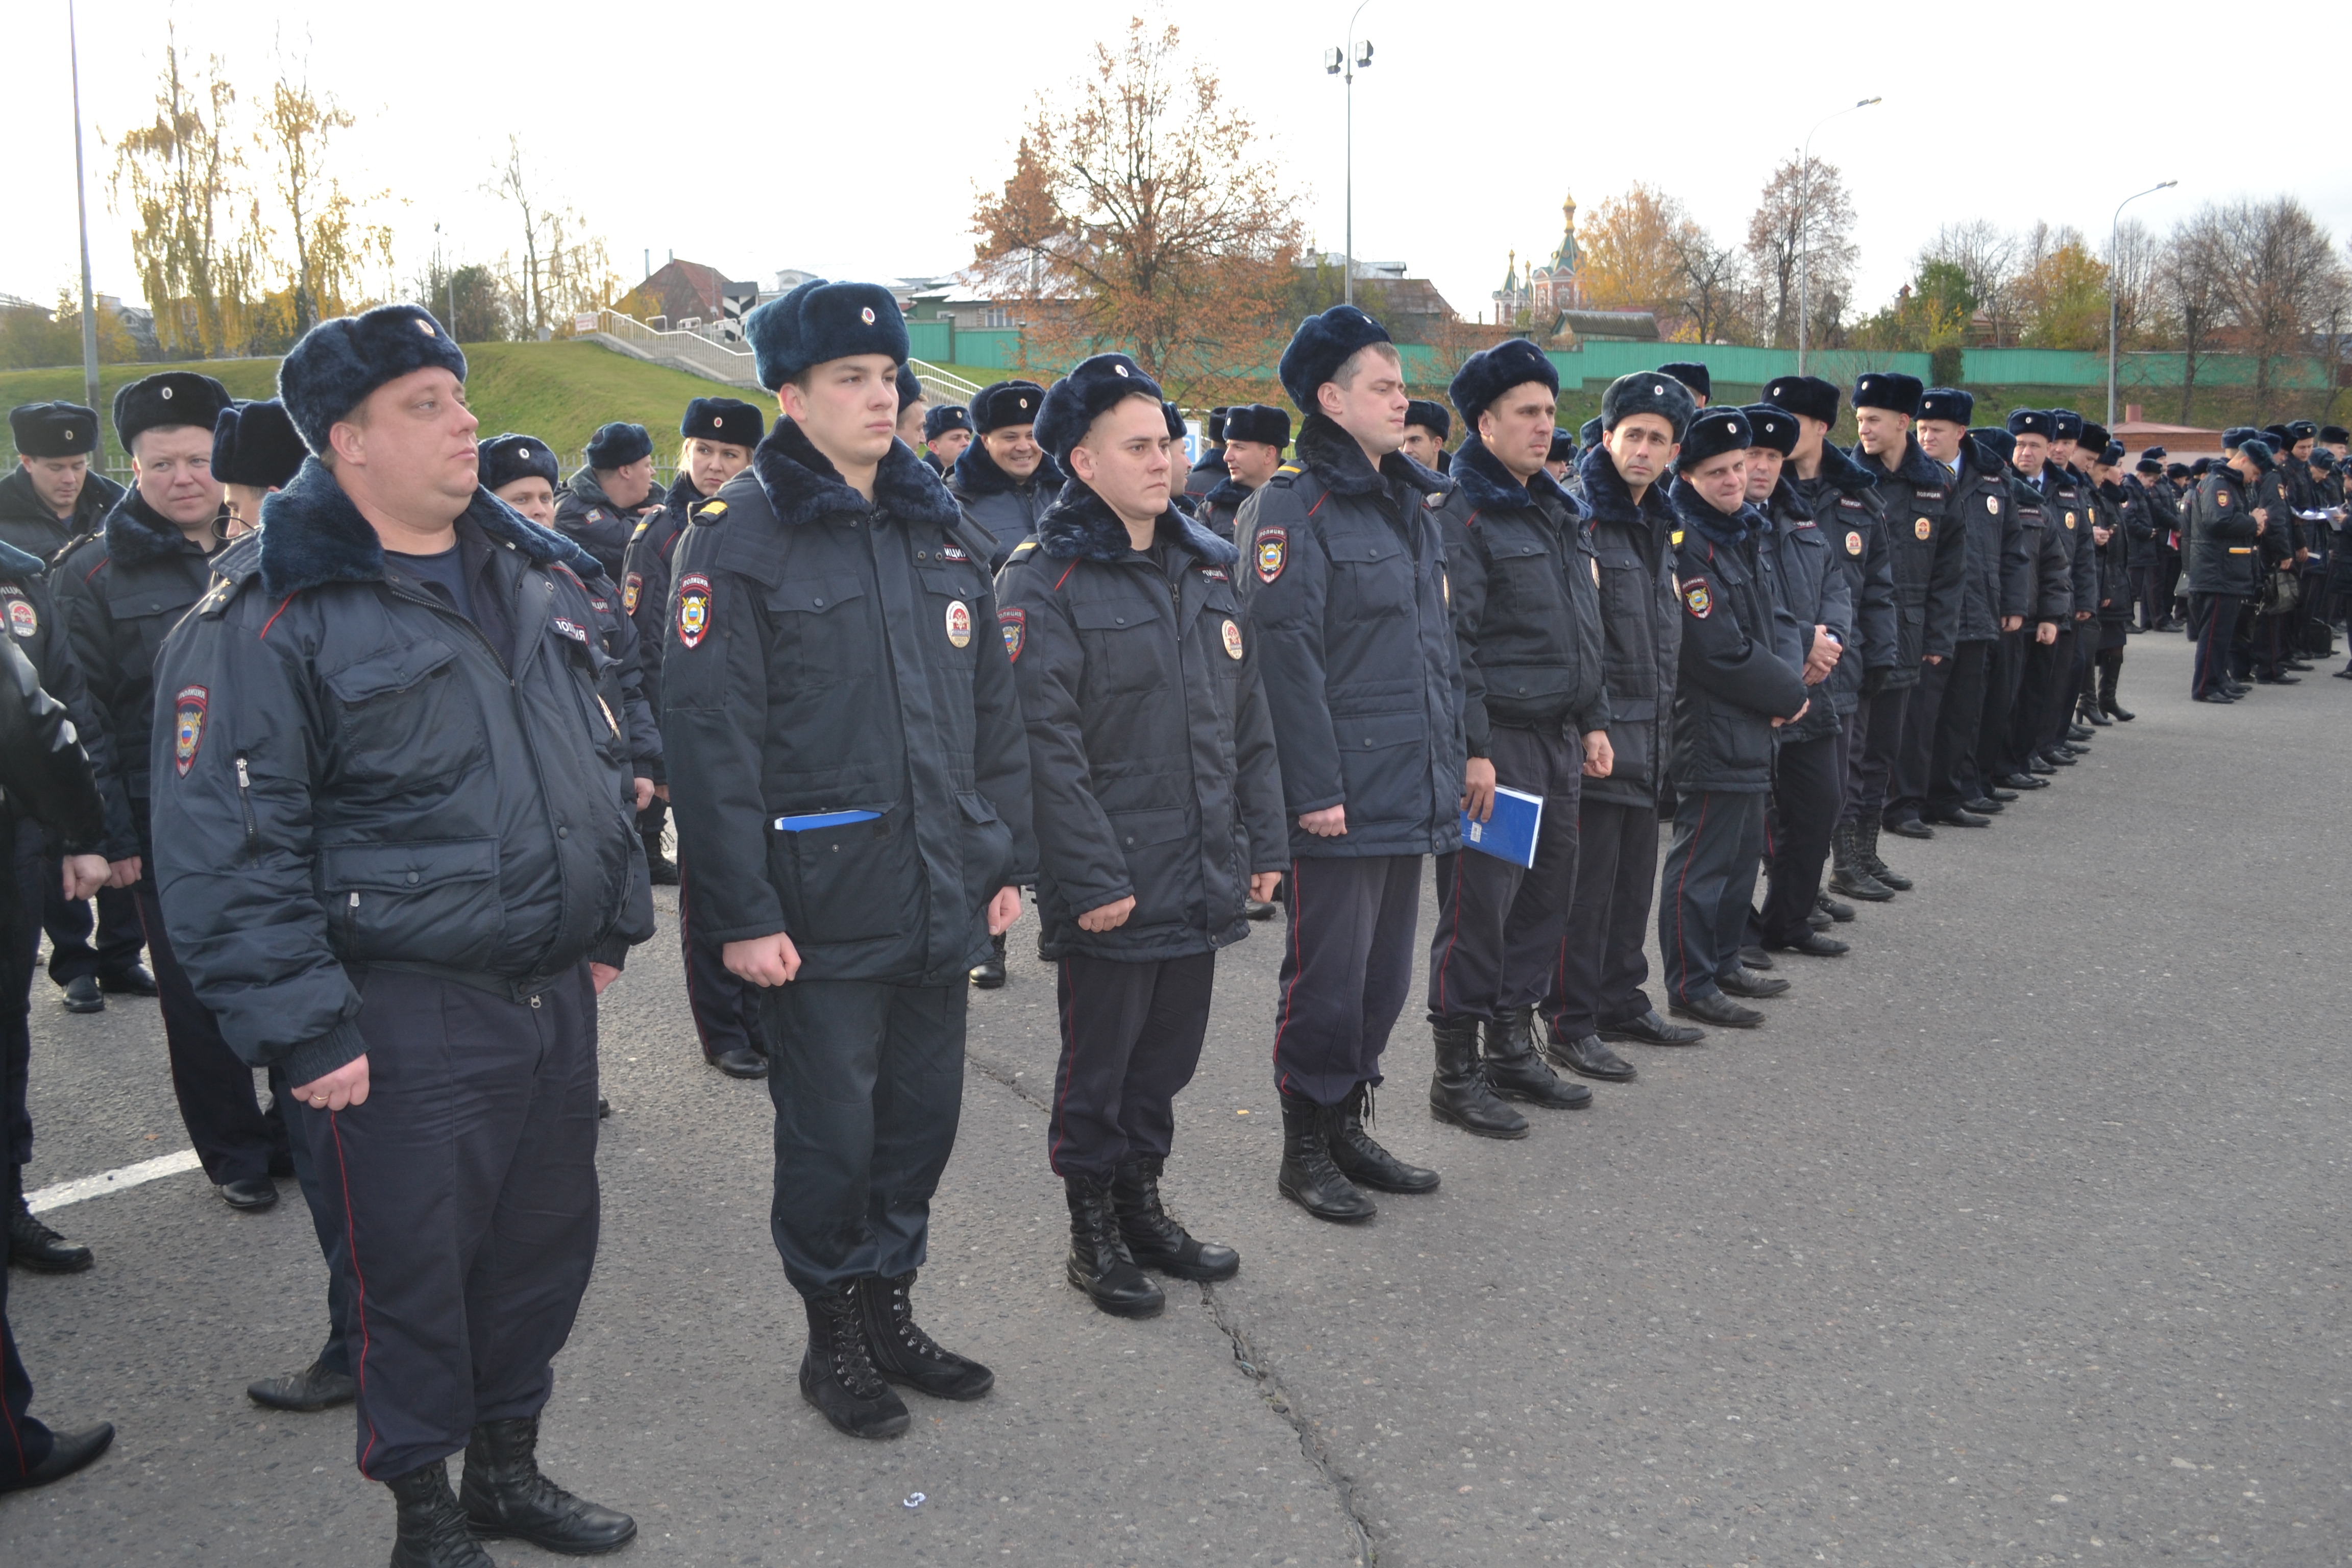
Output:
x,y
1948,404
1096,385
822,321
1771,426
338,363
1714,432
167,399
1888,389
1649,391
1006,403
1693,376
1258,422
725,421
1321,346
1490,372
1807,395
943,417
505,459
53,429
619,443
256,444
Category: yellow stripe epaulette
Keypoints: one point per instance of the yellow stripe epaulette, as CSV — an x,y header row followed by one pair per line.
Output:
x,y
1023,551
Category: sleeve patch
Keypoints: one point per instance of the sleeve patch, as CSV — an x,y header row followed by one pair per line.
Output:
x,y
1272,552
693,608
1014,621
189,709
1698,598
630,589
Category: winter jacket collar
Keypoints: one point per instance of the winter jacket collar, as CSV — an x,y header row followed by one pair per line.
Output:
x,y
1787,502
1700,515
1332,455
18,563
1914,468
976,473
1229,492
1605,495
1488,486
1842,474
312,534
135,533
1079,526
803,486
682,494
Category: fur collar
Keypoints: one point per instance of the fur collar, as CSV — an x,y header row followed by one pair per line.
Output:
x,y
1331,454
312,534
1489,487
1842,473
976,473
1229,492
1700,516
804,487
1080,527
1977,460
18,563
1788,502
1606,499
1915,468
135,534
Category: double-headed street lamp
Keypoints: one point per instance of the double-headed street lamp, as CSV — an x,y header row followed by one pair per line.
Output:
x,y
1356,56
1804,216
2115,264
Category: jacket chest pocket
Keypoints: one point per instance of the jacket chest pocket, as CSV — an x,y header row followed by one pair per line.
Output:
x,y
594,677
1371,577
824,627
1128,643
952,595
406,716
1530,581
435,902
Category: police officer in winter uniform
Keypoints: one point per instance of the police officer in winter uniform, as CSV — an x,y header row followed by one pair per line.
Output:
x,y
1929,556
1740,679
2103,521
1212,469
1158,812
2076,501
2042,683
49,499
52,497
1697,379
911,406
1255,439
1596,995
1346,586
1803,809
2146,518
947,431
2005,758
2224,528
45,781
1524,587
256,451
392,822
1427,427
612,493
715,438
1559,457
2308,636
121,592
49,867
1004,481
2116,594
1992,605
851,778
1845,504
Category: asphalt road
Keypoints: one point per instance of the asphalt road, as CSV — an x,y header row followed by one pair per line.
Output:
x,y
2018,1236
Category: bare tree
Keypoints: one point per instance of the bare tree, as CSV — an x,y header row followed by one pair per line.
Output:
x,y
1712,283
565,266
2131,273
1804,211
2188,289
2282,280
1987,260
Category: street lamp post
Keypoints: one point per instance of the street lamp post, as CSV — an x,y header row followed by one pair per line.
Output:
x,y
1805,218
81,209
2114,228
1356,56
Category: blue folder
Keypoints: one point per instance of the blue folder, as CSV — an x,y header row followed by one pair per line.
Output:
x,y
1509,832
821,819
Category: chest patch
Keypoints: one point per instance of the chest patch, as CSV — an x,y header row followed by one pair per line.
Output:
x,y
954,553
1992,505
1853,541
1272,551
1015,624
1213,574
693,608
188,708
2070,519
1698,598
630,589
1232,634
1922,528
573,629
959,621
23,619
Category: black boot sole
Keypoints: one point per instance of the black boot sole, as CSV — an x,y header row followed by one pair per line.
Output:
x,y
1147,1307
1332,1215
561,1548
1454,1119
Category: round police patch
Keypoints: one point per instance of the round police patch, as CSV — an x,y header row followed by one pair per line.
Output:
x,y
1992,505
1853,541
1272,551
2070,519
1922,528
1233,640
959,620
1696,595
1015,624
23,619
693,608
188,708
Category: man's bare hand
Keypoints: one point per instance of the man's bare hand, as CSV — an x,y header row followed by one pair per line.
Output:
x,y
1822,658
2046,633
1264,885
1109,917
1600,756
2011,623
346,1086
763,960
1003,909
644,793
1478,789
85,875
1802,708
601,976
123,873
1332,822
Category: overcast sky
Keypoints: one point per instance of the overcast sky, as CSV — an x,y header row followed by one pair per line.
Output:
x,y
1469,127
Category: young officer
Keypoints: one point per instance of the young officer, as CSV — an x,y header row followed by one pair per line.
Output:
x,y
1739,681
947,431
394,848
852,784
1346,578
1426,427
2223,530
1524,585
51,498
1255,439
1004,481
1159,811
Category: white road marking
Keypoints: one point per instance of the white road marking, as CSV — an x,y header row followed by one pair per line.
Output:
x,y
146,1170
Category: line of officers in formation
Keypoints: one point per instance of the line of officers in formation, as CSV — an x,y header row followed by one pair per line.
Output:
x,y
387,781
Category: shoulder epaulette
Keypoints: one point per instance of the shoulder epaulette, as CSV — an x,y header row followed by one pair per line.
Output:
x,y
1675,539
639,531
1285,474
1021,552
708,511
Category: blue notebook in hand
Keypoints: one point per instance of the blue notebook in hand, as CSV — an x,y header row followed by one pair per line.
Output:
x,y
1509,833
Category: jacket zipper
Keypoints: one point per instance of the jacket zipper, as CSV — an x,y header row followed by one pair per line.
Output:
x,y
244,802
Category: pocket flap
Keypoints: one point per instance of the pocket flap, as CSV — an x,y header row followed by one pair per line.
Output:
x,y
395,670
976,806
952,581
816,596
1360,548
1631,708
1113,614
1136,828
404,868
1372,732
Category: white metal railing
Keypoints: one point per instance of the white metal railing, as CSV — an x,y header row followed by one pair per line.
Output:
x,y
957,388
628,328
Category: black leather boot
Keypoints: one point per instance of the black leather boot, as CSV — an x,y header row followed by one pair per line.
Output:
x,y
1457,1090
1098,1262
33,1244
312,1389
1866,845
1847,874
903,1353
1364,1162
1589,1057
660,866
1516,1071
837,1372
506,1497
431,1529
989,973
1308,1177
1153,1237
2111,675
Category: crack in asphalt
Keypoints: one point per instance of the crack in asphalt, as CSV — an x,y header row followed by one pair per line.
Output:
x,y
1278,1400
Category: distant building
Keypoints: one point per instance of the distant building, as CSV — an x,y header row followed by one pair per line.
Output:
x,y
1411,308
688,294
1544,294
